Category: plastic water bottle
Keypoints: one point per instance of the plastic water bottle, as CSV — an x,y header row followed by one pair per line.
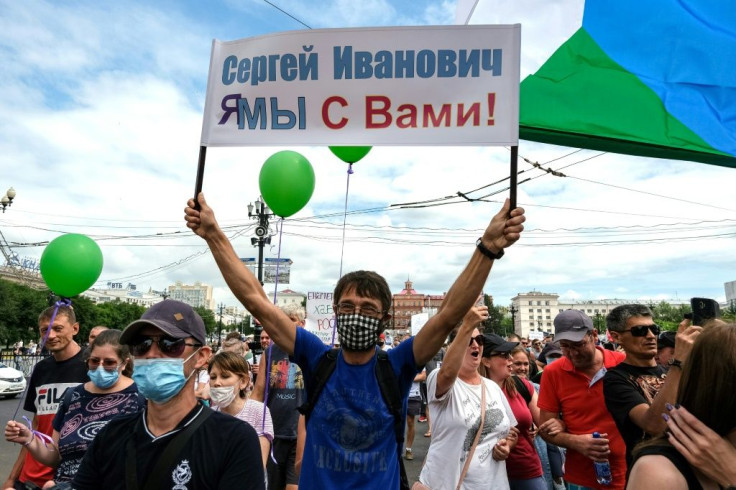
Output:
x,y
602,468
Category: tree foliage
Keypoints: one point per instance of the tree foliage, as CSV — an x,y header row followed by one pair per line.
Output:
x,y
208,316
21,305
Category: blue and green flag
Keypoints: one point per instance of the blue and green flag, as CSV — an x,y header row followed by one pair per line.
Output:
x,y
642,77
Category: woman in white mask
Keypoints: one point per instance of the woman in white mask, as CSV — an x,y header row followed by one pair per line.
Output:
x,y
84,410
230,385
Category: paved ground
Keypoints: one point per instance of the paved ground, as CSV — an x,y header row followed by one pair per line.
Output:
x,y
419,448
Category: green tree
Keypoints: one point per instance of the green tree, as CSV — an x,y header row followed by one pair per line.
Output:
x,y
19,310
669,316
208,316
495,316
118,314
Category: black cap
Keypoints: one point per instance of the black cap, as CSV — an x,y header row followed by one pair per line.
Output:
x,y
174,318
551,348
495,343
666,339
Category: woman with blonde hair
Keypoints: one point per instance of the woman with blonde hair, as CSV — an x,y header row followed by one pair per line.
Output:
x,y
471,418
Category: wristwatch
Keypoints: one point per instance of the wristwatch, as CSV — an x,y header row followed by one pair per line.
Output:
x,y
675,363
487,252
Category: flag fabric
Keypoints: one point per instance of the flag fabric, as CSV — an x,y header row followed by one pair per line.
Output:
x,y
651,78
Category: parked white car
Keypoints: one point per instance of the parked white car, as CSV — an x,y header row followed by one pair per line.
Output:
x,y
12,382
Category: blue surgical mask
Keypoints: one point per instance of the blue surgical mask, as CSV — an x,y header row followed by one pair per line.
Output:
x,y
160,379
102,378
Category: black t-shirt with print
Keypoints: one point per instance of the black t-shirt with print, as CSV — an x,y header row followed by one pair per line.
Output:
x,y
624,387
223,453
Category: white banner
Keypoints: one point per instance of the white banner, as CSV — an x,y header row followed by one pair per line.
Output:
x,y
436,85
320,316
418,321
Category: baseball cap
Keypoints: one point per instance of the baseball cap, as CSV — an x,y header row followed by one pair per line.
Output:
x,y
495,343
174,318
382,336
666,339
551,348
572,325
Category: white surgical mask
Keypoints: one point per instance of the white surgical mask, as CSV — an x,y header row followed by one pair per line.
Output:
x,y
222,396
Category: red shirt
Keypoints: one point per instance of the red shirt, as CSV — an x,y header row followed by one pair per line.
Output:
x,y
523,462
580,400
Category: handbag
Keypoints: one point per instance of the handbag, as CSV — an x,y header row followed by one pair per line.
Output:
x,y
421,486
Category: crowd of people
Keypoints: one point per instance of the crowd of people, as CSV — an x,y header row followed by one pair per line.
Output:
x,y
154,406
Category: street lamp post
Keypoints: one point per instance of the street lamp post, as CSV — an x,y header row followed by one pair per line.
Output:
x,y
7,199
261,214
219,326
513,311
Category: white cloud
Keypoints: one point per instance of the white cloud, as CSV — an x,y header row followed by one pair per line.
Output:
x,y
100,118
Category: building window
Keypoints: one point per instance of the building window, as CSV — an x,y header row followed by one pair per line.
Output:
x,y
546,303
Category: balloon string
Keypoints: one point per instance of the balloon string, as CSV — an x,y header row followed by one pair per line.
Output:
x,y
57,305
342,250
268,355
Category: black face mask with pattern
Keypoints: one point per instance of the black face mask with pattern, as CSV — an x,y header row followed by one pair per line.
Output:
x,y
357,332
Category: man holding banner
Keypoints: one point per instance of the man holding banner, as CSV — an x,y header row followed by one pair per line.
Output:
x,y
350,441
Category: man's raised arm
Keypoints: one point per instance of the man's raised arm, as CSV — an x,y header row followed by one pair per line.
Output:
x,y
503,230
244,285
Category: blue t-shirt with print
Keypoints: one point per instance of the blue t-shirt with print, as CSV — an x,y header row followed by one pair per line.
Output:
x,y
350,435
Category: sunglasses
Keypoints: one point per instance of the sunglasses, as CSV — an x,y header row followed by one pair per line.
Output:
x,y
641,330
107,364
168,346
478,340
505,355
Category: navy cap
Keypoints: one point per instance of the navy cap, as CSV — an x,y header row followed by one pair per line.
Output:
x,y
572,325
174,318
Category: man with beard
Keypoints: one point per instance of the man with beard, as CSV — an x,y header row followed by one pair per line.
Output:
x,y
350,438
637,390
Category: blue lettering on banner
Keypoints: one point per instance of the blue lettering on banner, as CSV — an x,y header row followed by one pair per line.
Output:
x,y
255,113
426,63
272,67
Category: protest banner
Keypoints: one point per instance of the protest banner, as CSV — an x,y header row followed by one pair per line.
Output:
x,y
320,315
422,85
418,321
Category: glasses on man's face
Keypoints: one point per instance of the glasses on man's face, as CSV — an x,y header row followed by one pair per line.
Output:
x,y
168,346
478,339
574,345
107,364
641,330
349,309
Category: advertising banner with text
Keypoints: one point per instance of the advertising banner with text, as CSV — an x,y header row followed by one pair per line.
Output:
x,y
433,85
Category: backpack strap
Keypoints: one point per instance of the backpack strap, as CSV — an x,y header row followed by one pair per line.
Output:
x,y
522,388
389,386
325,368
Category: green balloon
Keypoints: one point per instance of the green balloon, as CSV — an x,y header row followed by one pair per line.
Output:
x,y
70,264
286,182
350,154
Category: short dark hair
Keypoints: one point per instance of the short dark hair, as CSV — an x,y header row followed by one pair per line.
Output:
x,y
64,310
617,318
366,283
112,337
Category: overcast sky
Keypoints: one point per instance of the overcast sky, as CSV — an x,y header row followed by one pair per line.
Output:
x,y
100,118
